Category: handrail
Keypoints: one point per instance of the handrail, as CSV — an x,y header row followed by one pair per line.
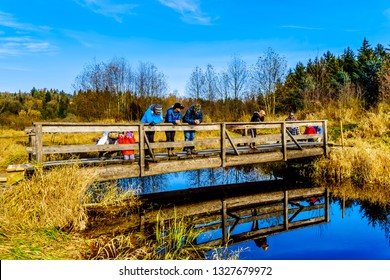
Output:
x,y
228,135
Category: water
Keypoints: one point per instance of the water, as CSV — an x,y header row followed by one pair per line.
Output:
x,y
352,237
357,231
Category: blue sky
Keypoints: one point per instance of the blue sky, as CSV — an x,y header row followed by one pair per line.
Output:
x,y
47,43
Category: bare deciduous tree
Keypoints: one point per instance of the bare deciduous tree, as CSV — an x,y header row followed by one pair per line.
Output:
x,y
196,84
269,70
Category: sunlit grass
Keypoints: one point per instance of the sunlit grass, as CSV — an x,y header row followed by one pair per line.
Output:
x,y
12,148
362,163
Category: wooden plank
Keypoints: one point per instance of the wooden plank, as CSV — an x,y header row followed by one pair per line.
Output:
x,y
182,165
294,140
3,178
231,143
284,142
259,138
223,145
39,143
19,167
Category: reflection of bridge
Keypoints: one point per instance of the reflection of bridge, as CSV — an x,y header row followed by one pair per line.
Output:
x,y
274,207
221,145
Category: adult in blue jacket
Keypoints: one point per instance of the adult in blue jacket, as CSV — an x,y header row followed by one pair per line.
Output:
x,y
193,115
152,116
173,116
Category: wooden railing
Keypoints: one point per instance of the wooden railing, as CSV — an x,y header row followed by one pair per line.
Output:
x,y
222,138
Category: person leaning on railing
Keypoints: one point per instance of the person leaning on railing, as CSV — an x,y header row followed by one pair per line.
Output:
x,y
173,116
257,117
152,116
193,115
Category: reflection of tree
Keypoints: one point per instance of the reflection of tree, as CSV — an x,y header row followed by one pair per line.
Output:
x,y
224,176
150,184
377,216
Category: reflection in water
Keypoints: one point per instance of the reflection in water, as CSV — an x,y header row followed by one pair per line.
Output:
x,y
196,179
258,226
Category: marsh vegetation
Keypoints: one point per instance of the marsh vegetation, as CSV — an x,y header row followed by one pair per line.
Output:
x,y
43,216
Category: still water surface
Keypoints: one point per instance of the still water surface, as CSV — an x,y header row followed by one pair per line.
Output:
x,y
357,230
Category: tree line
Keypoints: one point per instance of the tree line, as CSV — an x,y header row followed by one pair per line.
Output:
x,y
115,90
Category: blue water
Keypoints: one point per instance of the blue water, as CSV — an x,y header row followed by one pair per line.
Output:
x,y
350,238
361,233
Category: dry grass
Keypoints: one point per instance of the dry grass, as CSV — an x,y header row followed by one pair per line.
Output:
x,y
37,212
50,199
12,148
364,162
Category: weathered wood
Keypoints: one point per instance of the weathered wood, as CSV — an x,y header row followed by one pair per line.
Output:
x,y
223,144
39,143
232,143
284,141
293,138
325,132
271,146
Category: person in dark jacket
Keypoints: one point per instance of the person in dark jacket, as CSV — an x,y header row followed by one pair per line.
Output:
x,y
294,130
257,117
173,116
194,116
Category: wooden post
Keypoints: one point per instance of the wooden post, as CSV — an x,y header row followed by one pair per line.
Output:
x,y
141,133
286,210
32,142
284,141
327,206
325,131
223,144
39,143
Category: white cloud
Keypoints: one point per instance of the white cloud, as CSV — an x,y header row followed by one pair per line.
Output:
x,y
8,20
189,10
27,42
108,9
24,45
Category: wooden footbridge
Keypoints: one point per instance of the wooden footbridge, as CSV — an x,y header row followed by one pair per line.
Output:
x,y
218,145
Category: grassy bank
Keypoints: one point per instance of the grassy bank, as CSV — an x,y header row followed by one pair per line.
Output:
x,y
359,167
44,217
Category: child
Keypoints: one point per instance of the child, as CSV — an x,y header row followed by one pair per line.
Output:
x,y
127,138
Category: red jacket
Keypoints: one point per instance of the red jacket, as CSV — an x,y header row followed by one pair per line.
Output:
x,y
124,139
310,130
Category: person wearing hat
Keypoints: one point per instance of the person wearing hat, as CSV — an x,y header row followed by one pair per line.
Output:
x,y
152,116
193,115
258,116
293,130
173,116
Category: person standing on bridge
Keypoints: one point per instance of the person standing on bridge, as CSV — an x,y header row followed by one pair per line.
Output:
x,y
152,116
194,116
173,116
257,117
293,130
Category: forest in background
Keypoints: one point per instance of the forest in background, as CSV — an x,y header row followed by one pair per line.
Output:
x,y
114,91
